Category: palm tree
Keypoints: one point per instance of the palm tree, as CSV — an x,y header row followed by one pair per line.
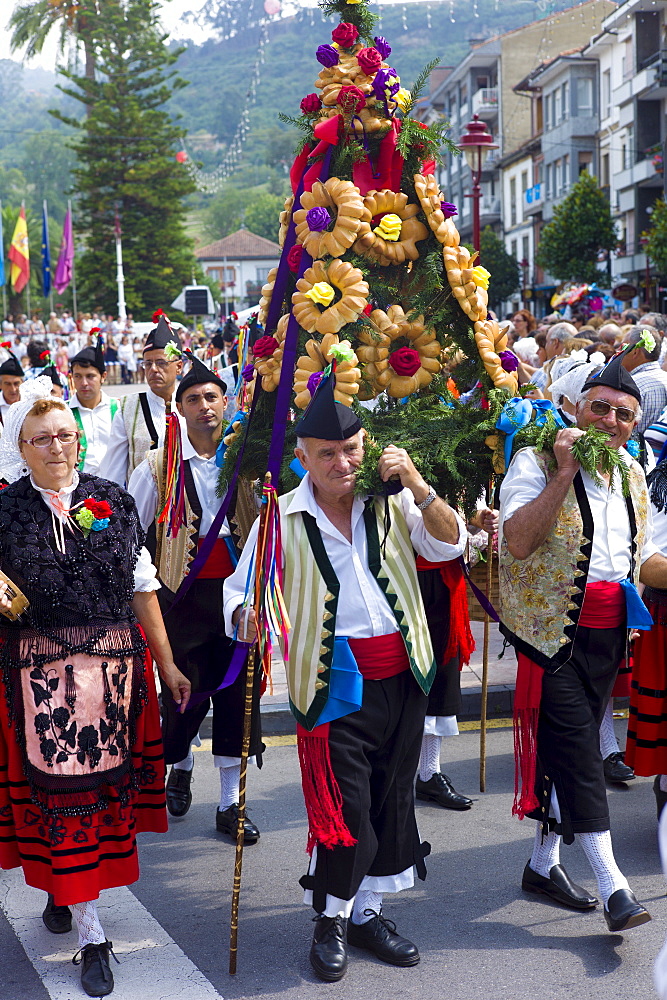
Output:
x,y
32,22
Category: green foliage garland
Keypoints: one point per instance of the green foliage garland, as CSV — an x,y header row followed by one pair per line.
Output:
x,y
591,450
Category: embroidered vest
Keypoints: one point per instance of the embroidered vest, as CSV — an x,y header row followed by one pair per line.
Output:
x,y
312,592
541,596
140,438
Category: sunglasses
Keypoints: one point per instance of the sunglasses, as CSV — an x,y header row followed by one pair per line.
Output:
x,y
600,408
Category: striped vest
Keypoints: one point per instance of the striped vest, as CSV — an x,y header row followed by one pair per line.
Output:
x,y
138,436
312,591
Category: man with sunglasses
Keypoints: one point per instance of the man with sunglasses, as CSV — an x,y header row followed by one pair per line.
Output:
x,y
139,425
572,550
641,358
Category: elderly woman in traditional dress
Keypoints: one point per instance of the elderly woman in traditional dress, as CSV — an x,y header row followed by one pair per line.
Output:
x,y
81,767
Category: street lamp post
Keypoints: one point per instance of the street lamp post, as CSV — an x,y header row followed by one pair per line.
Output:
x,y
476,142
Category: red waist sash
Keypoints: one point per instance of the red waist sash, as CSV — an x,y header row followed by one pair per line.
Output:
x,y
381,656
604,606
219,564
460,642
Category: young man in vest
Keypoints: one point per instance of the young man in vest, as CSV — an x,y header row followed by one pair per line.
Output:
x,y
140,423
194,623
350,586
571,553
93,410
11,377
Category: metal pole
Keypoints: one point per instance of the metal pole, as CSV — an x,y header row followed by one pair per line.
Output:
x,y
224,282
120,278
485,661
2,251
74,306
48,249
476,195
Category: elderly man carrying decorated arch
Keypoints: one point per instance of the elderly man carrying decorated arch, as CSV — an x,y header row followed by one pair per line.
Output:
x,y
575,540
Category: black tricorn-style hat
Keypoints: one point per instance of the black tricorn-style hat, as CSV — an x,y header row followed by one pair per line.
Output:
x,y
91,355
161,335
614,376
217,341
326,418
12,367
199,374
53,374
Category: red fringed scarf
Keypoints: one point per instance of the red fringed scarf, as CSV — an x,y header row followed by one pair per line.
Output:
x,y
324,802
460,642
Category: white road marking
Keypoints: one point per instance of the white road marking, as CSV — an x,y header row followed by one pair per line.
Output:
x,y
153,967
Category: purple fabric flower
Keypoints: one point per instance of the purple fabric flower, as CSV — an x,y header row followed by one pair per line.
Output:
x,y
248,373
448,209
380,86
313,382
508,361
327,55
318,219
383,46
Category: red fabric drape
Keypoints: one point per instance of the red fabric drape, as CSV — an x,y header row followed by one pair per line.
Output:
x,y
381,656
461,642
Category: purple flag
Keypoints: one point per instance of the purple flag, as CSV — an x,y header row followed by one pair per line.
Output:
x,y
63,274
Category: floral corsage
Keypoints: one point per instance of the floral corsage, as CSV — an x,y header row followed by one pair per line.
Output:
x,y
93,516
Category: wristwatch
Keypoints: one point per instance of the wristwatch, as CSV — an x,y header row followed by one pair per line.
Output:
x,y
428,499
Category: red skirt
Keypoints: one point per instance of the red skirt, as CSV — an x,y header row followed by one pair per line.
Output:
x,y
646,746
75,857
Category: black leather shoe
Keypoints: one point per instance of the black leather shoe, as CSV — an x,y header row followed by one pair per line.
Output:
x,y
179,796
559,887
57,919
660,796
227,820
615,768
623,911
379,936
96,976
328,952
439,789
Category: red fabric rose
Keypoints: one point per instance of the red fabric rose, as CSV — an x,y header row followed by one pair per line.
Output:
x,y
405,361
156,315
265,347
294,258
44,356
5,343
93,330
369,60
310,104
368,309
98,508
345,35
351,99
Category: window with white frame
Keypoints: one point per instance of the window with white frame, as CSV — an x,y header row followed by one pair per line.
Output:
x,y
584,96
606,93
513,201
565,92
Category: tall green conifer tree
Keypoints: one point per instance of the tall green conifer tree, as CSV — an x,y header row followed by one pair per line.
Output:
x,y
126,148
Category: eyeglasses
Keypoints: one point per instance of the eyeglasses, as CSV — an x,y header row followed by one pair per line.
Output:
x,y
46,440
160,365
600,408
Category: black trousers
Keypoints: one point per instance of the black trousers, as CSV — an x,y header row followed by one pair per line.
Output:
x,y
374,755
445,695
568,737
203,652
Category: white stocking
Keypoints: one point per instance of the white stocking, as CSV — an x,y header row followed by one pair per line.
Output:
x,y
187,763
608,741
88,923
546,852
366,900
229,786
429,760
600,854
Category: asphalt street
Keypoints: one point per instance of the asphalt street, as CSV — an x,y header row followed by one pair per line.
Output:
x,y
479,936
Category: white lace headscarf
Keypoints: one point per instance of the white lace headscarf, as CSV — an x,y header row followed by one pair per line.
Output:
x,y
570,384
12,462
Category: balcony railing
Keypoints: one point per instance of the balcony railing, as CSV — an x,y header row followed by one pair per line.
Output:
x,y
485,100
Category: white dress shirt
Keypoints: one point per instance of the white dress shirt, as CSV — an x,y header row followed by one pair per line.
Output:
x,y
114,464
4,407
610,554
145,574
363,610
205,475
97,428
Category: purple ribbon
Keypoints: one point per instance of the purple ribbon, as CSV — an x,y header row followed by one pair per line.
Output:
x,y
481,597
236,665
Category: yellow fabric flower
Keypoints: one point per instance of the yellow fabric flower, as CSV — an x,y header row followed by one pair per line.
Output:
x,y
322,293
390,227
352,1
402,98
481,276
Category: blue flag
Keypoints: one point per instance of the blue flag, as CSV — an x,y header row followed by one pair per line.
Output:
x,y
2,253
46,254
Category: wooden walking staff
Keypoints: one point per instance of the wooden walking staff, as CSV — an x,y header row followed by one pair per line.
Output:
x,y
162,499
485,661
270,619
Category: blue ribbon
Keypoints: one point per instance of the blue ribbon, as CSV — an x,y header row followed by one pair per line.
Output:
x,y
517,413
346,684
637,614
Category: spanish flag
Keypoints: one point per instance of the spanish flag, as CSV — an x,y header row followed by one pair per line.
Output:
x,y
19,255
